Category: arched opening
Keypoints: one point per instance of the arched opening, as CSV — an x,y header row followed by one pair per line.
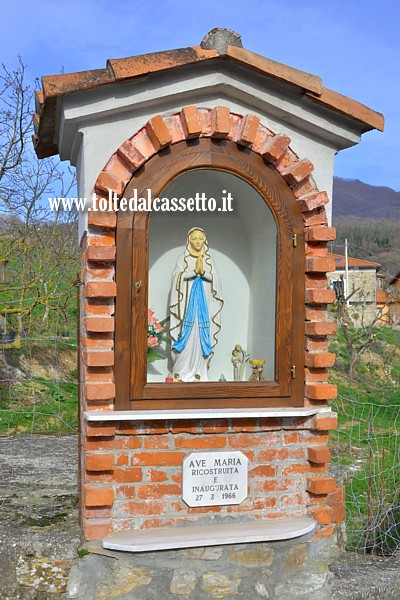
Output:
x,y
268,316
243,244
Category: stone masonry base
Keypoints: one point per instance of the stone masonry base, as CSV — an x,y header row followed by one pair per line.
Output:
x,y
286,570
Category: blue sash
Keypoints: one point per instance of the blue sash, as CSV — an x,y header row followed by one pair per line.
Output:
x,y
197,304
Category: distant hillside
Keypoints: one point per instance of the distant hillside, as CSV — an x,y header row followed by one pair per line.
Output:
x,y
353,197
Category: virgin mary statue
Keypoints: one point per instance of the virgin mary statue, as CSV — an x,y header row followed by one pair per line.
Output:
x,y
196,304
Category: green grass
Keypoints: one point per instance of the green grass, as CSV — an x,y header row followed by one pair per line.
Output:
x,y
367,440
36,403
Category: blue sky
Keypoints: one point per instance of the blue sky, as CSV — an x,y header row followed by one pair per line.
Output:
x,y
353,45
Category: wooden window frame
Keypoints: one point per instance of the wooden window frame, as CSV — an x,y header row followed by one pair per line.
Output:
x,y
132,240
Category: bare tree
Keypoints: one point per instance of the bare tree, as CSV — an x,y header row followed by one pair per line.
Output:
x,y
359,333
37,246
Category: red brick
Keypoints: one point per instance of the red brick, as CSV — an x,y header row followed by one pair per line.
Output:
x,y
158,132
316,313
100,391
320,265
94,512
254,440
106,182
191,122
101,253
318,296
301,468
96,531
320,360
118,168
126,491
315,217
304,437
102,374
203,441
320,328
159,490
253,504
247,130
215,426
101,218
336,501
98,496
320,484
274,147
298,171
294,484
96,341
316,375
100,324
272,454
158,459
320,234
99,462
321,391
323,422
127,475
241,425
316,280
316,344
291,500
322,514
146,508
153,475
100,289
106,239
312,201
102,429
319,454
314,250
122,460
263,471
153,442
128,428
270,423
131,155
185,426
101,358
220,122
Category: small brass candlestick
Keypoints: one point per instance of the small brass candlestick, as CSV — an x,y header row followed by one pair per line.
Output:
x,y
257,367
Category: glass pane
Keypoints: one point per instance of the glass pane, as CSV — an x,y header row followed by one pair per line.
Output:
x,y
239,255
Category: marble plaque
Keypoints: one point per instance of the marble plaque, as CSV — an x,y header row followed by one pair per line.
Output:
x,y
214,478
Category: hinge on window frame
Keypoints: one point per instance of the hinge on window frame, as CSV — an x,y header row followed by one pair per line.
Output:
x,y
293,372
295,240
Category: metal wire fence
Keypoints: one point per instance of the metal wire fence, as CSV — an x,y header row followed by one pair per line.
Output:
x,y
39,391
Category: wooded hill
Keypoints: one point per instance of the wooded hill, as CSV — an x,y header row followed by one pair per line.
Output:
x,y
369,217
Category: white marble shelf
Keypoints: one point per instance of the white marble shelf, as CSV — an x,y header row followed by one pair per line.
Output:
x,y
173,538
239,413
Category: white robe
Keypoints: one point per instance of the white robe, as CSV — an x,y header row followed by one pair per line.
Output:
x,y
190,364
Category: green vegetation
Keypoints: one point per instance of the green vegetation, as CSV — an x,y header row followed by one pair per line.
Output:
x,y
372,240
366,445
38,387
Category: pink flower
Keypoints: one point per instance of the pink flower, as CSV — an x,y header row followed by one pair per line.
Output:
x,y
151,320
152,341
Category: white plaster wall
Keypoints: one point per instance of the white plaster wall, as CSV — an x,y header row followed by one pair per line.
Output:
x,y
243,246
95,123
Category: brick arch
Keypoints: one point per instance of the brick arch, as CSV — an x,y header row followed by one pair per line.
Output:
x,y
192,122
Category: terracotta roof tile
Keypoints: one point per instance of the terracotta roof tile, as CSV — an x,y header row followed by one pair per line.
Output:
x,y
351,108
354,263
122,69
